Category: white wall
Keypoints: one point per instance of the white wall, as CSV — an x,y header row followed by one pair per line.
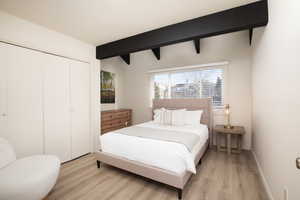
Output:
x,y
25,33
276,94
29,34
119,87
231,47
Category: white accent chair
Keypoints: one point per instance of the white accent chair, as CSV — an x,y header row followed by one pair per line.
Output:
x,y
29,178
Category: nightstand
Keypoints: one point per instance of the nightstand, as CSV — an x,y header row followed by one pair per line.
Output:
x,y
237,131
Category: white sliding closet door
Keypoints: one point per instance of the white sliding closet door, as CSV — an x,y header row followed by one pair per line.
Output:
x,y
4,62
57,117
80,102
24,99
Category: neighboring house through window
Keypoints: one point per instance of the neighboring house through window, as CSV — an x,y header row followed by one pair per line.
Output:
x,y
193,83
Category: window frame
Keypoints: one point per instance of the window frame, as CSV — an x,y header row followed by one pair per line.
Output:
x,y
187,69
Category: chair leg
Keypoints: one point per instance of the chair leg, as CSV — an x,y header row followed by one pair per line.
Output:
x,y
98,163
179,193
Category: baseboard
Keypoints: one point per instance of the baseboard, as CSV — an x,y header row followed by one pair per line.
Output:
x,y
263,178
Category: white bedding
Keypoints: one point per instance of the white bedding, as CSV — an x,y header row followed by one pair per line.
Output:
x,y
170,156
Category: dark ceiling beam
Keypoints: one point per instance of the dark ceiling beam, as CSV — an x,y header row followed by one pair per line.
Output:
x,y
250,35
236,19
197,45
156,52
126,58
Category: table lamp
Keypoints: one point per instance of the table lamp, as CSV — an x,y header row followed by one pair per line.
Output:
x,y
227,113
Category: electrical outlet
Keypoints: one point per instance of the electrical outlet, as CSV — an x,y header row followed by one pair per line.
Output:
x,y
285,194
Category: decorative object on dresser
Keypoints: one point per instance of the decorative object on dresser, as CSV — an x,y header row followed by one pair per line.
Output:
x,y
115,119
237,131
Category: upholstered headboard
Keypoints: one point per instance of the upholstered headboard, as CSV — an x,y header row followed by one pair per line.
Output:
x,y
190,104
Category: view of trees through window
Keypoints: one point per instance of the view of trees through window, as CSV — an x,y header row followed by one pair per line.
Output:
x,y
190,84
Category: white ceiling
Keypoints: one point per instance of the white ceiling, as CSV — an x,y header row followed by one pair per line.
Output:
x,y
101,21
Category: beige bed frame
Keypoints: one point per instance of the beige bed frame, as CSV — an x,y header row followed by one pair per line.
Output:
x,y
163,176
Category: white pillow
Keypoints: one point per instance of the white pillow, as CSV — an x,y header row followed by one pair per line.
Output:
x,y
178,117
167,117
193,117
158,115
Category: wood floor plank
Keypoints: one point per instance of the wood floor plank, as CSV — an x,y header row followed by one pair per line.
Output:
x,y
219,177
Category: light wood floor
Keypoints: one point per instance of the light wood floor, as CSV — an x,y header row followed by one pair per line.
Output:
x,y
219,177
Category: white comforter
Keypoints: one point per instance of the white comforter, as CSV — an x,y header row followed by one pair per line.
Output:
x,y
170,156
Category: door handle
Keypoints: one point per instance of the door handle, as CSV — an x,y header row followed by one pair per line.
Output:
x,y
3,115
298,163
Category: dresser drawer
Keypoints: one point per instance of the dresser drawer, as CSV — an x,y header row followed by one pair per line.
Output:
x,y
112,125
122,114
115,121
114,116
103,131
107,116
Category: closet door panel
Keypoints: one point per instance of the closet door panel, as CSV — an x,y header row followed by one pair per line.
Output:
x,y
24,100
57,108
80,101
4,62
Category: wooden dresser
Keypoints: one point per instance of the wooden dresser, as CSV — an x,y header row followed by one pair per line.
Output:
x,y
115,119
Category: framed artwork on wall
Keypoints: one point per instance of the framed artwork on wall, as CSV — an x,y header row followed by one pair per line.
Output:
x,y
107,87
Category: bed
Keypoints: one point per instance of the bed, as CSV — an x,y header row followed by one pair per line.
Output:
x,y
162,161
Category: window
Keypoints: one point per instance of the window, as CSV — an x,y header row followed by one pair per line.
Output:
x,y
197,83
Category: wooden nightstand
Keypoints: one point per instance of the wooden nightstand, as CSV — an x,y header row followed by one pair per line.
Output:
x,y
237,131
